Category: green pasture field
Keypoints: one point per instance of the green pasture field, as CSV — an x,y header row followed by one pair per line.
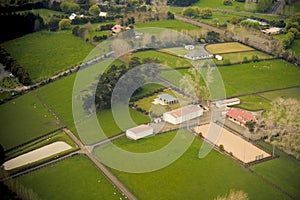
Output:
x,y
228,47
23,119
148,89
46,14
169,24
254,103
45,53
283,171
239,57
167,59
288,93
49,139
259,76
296,46
194,178
73,178
218,4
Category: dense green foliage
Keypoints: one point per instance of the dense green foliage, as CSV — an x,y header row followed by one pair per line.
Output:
x,y
181,2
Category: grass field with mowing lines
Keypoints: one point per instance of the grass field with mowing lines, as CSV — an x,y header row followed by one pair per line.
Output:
x,y
283,171
45,53
24,119
195,178
73,178
219,4
228,47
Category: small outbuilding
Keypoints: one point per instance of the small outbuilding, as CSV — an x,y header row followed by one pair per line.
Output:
x,y
228,102
117,29
189,47
102,14
272,31
139,132
218,57
72,16
183,114
167,99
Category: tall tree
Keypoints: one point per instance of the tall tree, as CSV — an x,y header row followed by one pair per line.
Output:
x,y
264,5
94,10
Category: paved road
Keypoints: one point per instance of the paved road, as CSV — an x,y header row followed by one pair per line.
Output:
x,y
275,7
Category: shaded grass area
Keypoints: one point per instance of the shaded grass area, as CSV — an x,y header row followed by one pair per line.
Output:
x,y
296,45
259,76
191,177
288,93
228,47
219,4
73,178
169,24
44,53
283,171
46,14
23,119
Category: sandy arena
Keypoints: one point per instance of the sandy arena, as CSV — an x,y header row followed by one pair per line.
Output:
x,y
36,155
240,148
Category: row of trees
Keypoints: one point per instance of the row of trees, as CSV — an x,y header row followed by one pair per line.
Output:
x,y
181,2
14,67
109,79
204,13
14,25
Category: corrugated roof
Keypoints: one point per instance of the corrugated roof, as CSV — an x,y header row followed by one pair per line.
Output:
x,y
240,115
184,110
167,97
140,129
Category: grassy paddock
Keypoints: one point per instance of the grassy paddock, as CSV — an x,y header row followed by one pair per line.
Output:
x,y
169,24
195,178
254,103
296,45
46,14
219,4
24,119
241,56
288,93
73,178
283,171
45,53
259,76
228,47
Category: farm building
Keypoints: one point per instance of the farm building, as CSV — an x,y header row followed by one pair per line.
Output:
x,y
228,102
72,16
183,114
189,47
240,116
197,55
218,57
272,31
139,132
167,99
102,14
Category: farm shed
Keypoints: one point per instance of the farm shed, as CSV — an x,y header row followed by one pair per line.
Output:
x,y
183,114
272,31
240,116
228,102
139,132
167,99
218,57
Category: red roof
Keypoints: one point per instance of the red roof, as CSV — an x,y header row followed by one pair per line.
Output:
x,y
240,115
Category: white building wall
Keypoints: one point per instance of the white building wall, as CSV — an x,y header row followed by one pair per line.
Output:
x,y
140,135
177,120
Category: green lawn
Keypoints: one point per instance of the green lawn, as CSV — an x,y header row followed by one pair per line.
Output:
x,y
254,103
283,171
46,14
10,82
24,119
45,53
219,4
190,177
296,46
240,56
169,24
228,47
165,58
259,76
73,178
288,93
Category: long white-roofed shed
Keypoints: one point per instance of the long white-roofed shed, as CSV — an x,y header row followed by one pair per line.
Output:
x,y
139,132
183,114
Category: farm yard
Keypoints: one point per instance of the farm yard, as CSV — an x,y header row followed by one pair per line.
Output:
x,y
47,157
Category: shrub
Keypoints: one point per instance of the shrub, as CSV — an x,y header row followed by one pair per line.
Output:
x,y
221,147
64,24
227,2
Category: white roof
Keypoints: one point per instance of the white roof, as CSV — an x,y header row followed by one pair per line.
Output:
x,y
103,14
140,129
184,110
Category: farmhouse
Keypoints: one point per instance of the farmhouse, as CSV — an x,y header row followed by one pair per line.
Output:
x,y
197,55
102,14
228,102
139,132
272,31
183,114
117,29
240,116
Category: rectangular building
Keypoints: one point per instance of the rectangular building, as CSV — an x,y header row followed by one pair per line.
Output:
x,y
139,132
183,114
